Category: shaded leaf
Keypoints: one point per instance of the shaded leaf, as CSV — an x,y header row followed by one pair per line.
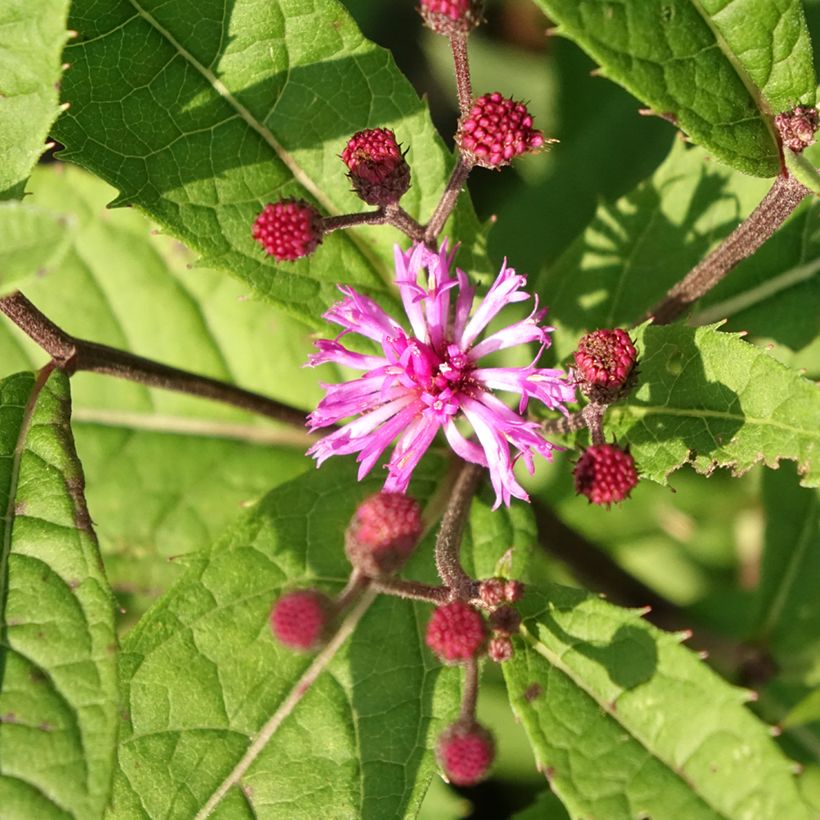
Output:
x,y
721,69
58,676
32,242
627,723
251,105
32,35
712,400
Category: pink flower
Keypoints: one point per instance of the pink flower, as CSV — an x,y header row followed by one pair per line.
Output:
x,y
430,378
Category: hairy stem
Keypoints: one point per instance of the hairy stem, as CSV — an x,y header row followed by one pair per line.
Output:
x,y
590,416
448,200
336,223
414,590
470,693
399,218
458,43
72,355
784,196
448,543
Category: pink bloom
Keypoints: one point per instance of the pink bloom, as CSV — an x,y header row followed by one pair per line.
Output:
x,y
430,378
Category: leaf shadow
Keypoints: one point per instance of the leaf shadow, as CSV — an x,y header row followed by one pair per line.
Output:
x,y
673,390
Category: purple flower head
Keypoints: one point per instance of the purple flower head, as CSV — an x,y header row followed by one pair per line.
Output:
x,y
430,378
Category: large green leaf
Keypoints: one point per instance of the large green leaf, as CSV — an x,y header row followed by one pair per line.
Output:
x,y
721,69
627,723
202,674
710,399
32,35
58,674
251,104
32,242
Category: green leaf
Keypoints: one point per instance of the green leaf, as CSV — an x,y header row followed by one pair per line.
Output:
x,y
201,125
32,242
721,69
32,35
202,675
635,249
58,675
627,723
788,614
712,400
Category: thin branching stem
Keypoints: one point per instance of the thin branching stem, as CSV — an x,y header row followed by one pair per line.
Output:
x,y
413,590
72,355
469,697
464,86
448,200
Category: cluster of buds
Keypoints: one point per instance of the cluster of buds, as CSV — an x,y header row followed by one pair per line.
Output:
x,y
605,371
797,127
451,17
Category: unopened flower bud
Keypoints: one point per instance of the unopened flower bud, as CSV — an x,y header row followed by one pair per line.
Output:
x,y
298,619
383,533
451,17
604,361
491,591
288,229
797,127
376,165
495,130
605,474
465,752
500,649
505,619
513,590
456,632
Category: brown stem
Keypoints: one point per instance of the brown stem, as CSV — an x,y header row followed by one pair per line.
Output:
x,y
414,590
590,416
356,585
448,200
399,218
470,693
784,196
458,43
335,223
448,543
72,355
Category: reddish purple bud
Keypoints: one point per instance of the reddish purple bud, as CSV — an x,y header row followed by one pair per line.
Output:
x,y
605,358
491,591
378,170
449,17
495,130
797,127
288,229
465,753
605,474
456,632
505,619
500,649
513,591
383,533
298,618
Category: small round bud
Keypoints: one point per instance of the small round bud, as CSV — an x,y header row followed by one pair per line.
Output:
x,y
383,533
288,229
298,618
605,474
456,632
505,619
513,590
465,753
376,165
451,17
605,359
491,591
495,130
797,127
500,649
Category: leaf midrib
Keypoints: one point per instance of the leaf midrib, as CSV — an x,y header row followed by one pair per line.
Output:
x,y
555,660
285,156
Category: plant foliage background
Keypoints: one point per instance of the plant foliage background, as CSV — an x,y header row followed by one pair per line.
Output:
x,y
146,533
